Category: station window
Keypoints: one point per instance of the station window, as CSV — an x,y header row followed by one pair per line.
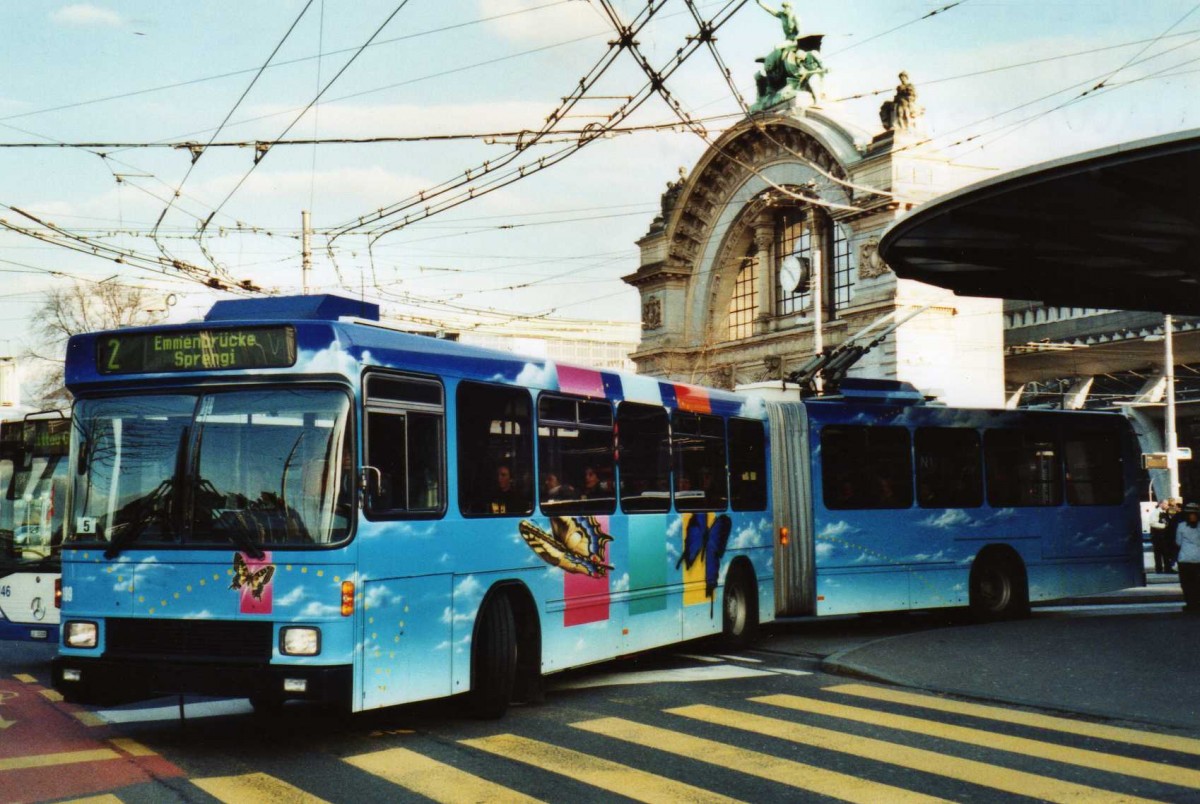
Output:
x,y
1024,468
1094,472
404,452
744,304
495,450
866,467
949,470
747,465
644,440
699,444
575,456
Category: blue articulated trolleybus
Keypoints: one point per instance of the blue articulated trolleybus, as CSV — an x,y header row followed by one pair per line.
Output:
x,y
893,503
288,500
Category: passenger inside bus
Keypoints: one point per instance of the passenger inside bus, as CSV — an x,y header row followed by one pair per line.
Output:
x,y
506,499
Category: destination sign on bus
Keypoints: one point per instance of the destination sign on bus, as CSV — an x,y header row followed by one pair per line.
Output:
x,y
196,350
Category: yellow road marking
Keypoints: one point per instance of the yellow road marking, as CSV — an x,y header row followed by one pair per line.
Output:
x,y
89,719
1148,739
785,771
432,779
25,678
965,770
52,695
1096,760
131,747
107,798
257,787
62,758
605,774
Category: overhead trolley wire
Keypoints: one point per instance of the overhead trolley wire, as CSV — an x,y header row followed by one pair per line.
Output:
x,y
198,151
424,197
231,74
266,148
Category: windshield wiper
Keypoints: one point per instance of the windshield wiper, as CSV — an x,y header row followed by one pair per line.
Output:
x,y
243,542
145,512
208,493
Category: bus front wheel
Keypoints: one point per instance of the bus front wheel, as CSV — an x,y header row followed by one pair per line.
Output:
x,y
999,590
740,618
493,660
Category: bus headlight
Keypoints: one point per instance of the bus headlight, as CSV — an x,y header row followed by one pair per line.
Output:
x,y
294,641
80,634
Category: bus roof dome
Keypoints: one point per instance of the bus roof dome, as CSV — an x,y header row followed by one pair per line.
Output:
x,y
893,391
321,307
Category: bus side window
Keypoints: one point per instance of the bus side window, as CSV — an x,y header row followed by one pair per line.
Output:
x,y
644,441
1094,475
575,456
404,445
1024,468
700,475
747,465
948,468
495,450
866,467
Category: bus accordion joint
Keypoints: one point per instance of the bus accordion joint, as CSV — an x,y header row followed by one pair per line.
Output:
x,y
783,536
347,598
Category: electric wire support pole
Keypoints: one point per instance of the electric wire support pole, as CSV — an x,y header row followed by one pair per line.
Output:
x,y
1171,436
305,250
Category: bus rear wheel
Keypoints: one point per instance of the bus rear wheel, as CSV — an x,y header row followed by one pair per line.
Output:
x,y
999,590
493,660
740,610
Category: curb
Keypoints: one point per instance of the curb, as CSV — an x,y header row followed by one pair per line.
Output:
x,y
838,664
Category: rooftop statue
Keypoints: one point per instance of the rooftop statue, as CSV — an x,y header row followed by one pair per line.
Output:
x,y
902,113
791,25
793,67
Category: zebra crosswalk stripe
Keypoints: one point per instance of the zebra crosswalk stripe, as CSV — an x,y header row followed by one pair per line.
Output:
x,y
434,780
1095,760
965,770
1147,739
785,771
257,787
602,773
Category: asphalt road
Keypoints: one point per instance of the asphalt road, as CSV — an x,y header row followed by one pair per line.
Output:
x,y
689,724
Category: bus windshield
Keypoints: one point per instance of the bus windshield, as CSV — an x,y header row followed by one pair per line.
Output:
x,y
252,468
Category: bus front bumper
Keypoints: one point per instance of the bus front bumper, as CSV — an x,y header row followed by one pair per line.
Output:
x,y
109,682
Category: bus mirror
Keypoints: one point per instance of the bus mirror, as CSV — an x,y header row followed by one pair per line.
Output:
x,y
365,484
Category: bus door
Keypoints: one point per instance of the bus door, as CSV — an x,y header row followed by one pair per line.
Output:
x,y
406,641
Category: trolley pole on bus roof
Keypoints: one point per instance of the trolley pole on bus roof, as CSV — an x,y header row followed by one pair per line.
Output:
x,y
305,250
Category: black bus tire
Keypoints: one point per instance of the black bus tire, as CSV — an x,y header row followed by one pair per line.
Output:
x,y
999,589
493,660
739,609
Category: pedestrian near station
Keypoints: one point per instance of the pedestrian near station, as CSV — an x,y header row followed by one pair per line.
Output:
x,y
1162,535
1187,537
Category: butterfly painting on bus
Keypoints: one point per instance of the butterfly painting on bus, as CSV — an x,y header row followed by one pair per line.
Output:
x,y
705,541
574,544
252,579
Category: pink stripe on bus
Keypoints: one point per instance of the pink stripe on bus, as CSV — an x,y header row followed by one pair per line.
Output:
x,y
585,382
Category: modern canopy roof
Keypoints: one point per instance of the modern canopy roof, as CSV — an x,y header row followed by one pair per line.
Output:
x,y
1117,228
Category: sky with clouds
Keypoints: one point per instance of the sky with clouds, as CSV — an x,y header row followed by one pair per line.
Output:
x,y
1003,83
